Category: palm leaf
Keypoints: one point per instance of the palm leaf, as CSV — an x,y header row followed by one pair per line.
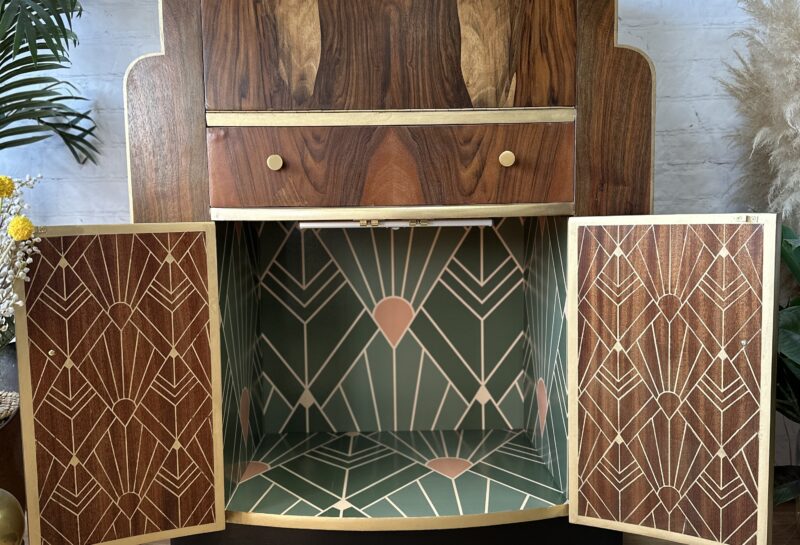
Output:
x,y
787,394
790,251
35,105
27,21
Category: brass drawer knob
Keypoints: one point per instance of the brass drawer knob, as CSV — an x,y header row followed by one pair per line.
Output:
x,y
507,158
275,162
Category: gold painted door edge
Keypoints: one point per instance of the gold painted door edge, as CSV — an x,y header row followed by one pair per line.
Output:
x,y
395,524
26,392
771,269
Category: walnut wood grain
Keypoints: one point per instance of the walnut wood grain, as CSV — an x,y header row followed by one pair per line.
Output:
x,y
615,118
121,351
388,54
391,166
669,378
167,157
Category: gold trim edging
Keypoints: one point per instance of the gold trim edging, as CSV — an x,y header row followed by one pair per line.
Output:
x,y
359,213
387,524
388,118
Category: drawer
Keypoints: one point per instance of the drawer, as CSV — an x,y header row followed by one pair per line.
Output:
x,y
391,166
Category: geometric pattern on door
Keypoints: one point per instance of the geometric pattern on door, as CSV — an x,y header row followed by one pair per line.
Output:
x,y
120,332
669,404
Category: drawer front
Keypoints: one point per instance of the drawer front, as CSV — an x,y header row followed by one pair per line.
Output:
x,y
391,166
271,55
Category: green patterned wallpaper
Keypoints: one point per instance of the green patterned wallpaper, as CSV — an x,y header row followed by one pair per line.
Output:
x,y
545,360
241,363
374,329
393,330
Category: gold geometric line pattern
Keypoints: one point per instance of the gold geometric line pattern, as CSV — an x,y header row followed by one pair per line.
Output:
x,y
120,353
668,373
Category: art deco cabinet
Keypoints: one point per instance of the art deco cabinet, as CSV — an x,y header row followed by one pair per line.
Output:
x,y
569,357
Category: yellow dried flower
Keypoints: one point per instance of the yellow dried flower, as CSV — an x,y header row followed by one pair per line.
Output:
x,y
20,228
6,187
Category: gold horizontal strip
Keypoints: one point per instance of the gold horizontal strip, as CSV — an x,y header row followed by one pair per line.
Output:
x,y
339,118
395,524
123,229
393,212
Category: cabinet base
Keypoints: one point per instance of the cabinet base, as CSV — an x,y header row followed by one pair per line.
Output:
x,y
553,532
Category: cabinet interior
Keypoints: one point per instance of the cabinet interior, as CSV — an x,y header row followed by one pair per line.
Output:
x,y
393,373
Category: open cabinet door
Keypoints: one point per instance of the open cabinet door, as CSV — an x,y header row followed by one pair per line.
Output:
x,y
118,344
671,351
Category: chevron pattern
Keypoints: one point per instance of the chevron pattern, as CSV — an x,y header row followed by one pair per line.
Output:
x,y
669,341
545,359
237,261
371,330
118,330
371,339
396,475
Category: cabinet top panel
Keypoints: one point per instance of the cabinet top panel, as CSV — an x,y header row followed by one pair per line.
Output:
x,y
277,55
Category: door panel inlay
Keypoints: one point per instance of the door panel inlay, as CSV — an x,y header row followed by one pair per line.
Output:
x,y
669,371
122,409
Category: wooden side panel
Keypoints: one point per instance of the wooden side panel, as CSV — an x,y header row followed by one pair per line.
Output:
x,y
119,359
671,378
615,118
391,166
388,54
167,160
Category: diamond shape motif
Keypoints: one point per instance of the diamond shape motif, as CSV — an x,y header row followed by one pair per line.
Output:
x,y
483,396
307,399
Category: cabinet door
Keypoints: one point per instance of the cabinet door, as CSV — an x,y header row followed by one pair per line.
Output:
x,y
118,344
671,354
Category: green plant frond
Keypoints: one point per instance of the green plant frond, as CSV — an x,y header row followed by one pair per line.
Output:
x,y
790,251
28,82
787,401
47,20
35,37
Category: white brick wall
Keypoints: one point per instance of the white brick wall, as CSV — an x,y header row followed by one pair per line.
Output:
x,y
687,40
112,34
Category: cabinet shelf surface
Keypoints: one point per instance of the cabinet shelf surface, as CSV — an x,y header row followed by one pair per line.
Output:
x,y
402,478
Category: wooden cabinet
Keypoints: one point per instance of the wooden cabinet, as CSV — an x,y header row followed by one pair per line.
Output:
x,y
118,345
391,166
615,368
396,54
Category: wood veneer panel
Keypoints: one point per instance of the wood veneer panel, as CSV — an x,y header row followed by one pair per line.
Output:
x,y
120,353
167,160
403,166
615,118
388,54
671,379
